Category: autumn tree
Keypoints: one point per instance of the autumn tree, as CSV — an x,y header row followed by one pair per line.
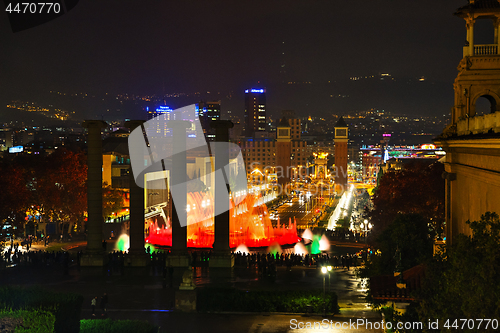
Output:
x,y
416,189
70,169
14,194
58,186
112,200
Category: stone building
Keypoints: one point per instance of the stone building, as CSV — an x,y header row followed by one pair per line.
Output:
x,y
472,139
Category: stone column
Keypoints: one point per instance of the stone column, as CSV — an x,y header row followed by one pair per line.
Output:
x,y
497,34
470,35
137,254
222,252
179,256
94,253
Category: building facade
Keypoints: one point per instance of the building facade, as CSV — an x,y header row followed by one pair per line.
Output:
x,y
283,156
472,140
255,112
208,112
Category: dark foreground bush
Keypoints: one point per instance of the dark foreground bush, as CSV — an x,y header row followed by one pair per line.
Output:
x,y
116,326
211,299
27,321
66,307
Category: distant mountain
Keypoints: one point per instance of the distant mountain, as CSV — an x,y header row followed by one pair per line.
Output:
x,y
19,118
408,96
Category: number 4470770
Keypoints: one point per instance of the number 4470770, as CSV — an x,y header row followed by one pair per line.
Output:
x,y
33,7
471,324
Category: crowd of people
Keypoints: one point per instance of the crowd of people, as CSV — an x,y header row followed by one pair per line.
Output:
x,y
158,260
36,258
270,261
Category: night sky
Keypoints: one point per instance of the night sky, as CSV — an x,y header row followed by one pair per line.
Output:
x,y
150,47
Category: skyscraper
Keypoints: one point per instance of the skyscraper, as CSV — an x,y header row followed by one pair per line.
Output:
x,y
208,112
163,114
255,111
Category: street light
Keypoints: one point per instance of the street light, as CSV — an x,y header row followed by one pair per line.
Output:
x,y
324,270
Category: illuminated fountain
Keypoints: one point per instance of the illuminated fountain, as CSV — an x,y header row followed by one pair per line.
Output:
x,y
274,249
300,249
324,244
242,248
249,224
307,235
123,243
315,245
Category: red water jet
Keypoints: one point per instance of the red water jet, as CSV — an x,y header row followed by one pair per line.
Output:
x,y
249,224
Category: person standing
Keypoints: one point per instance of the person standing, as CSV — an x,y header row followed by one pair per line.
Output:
x,y
93,304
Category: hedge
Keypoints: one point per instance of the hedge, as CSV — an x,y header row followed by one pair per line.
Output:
x,y
66,307
116,326
212,299
27,321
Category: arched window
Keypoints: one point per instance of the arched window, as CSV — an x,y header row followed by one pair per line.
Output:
x,y
484,105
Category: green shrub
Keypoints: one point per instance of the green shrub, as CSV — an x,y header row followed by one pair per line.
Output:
x,y
211,299
116,326
28,321
66,307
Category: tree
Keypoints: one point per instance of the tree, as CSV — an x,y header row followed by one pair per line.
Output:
x,y
463,281
405,243
413,190
58,186
112,200
14,194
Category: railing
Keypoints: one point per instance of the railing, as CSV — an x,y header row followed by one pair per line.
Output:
x,y
486,49
479,124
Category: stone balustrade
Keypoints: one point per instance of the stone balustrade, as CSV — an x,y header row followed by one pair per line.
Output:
x,y
479,124
485,49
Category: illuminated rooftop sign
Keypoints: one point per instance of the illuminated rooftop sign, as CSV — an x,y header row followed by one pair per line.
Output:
x,y
16,149
163,108
258,91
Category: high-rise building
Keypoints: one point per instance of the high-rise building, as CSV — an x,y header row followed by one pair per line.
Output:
x,y
255,111
164,114
208,112
341,138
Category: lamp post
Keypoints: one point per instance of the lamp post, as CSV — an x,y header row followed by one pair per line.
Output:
x,y
324,270
366,230
329,269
